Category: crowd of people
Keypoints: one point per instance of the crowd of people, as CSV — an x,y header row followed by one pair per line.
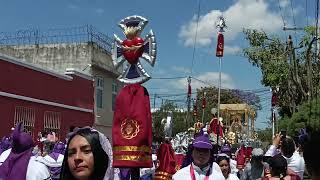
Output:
x,y
87,154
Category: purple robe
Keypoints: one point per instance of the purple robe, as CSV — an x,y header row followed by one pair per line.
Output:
x,y
15,166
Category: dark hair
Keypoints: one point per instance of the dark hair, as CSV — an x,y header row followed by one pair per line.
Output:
x,y
187,160
221,158
288,147
214,151
310,153
278,166
100,157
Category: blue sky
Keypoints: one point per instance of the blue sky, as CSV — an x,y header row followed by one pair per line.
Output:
x,y
174,23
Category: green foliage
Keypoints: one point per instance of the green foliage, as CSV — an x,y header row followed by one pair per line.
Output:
x,y
227,97
178,120
308,115
157,128
270,55
265,135
285,66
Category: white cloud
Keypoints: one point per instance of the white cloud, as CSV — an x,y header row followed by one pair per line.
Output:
x,y
181,69
160,72
210,79
232,50
283,3
243,14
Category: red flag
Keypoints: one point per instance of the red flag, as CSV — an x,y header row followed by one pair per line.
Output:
x,y
274,99
220,45
195,110
215,127
241,158
204,102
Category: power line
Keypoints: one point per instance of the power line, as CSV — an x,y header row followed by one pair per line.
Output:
x,y
195,38
170,95
307,21
282,17
179,77
212,85
294,22
171,88
294,19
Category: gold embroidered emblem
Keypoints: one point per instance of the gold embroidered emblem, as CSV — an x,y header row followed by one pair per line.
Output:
x,y
177,167
129,128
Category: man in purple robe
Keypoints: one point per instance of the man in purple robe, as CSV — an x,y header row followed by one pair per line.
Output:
x,y
54,160
5,144
19,163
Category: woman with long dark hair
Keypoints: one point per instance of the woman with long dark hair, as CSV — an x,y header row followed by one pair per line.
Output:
x,y
86,156
224,163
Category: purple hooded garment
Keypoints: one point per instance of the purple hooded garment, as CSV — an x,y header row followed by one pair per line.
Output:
x,y
226,149
125,173
58,149
5,144
15,166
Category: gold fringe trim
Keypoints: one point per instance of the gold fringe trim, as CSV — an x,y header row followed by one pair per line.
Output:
x,y
131,158
132,148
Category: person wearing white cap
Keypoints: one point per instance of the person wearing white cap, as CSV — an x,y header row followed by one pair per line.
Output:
x,y
200,168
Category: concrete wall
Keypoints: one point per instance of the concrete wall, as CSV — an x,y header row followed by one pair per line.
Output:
x,y
104,115
52,56
102,66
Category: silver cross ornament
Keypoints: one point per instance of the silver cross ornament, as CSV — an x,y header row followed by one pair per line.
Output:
x,y
132,49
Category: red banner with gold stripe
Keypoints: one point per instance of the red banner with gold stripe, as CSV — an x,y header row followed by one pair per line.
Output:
x,y
132,128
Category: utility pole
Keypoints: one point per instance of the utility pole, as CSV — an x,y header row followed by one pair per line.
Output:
x,y
188,101
203,106
274,102
308,64
154,100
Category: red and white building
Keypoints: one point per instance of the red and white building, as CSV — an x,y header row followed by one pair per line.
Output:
x,y
42,99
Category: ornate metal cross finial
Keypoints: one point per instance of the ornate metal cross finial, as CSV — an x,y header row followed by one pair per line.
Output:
x,y
132,49
221,24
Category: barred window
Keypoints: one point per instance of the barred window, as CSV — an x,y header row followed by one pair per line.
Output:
x,y
52,122
27,116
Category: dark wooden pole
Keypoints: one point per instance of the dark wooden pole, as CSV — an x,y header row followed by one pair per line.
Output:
x,y
135,173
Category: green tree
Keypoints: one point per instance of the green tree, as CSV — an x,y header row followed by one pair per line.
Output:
x,y
292,69
265,135
178,120
157,127
227,97
307,116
